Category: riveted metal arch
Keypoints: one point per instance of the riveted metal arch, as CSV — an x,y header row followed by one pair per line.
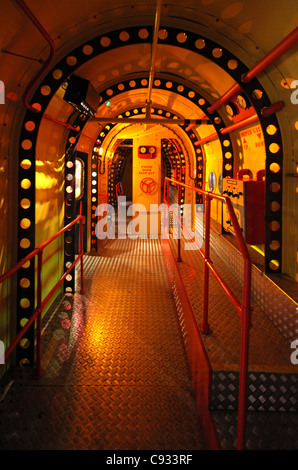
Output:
x,y
168,83
115,39
260,100
117,176
161,83
26,231
126,85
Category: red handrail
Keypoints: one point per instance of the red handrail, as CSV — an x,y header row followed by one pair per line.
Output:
x,y
243,308
106,199
36,315
119,190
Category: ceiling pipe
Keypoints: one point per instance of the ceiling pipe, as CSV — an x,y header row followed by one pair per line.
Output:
x,y
150,120
191,126
56,121
231,128
153,57
273,108
68,126
286,44
47,64
226,97
273,55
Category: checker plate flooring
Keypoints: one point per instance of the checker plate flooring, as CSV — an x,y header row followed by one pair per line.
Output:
x,y
116,375
269,351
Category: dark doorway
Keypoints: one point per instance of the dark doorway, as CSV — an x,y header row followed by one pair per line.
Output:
x,y
127,179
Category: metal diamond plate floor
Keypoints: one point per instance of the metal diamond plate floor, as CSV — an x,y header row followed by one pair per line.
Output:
x,y
116,375
269,351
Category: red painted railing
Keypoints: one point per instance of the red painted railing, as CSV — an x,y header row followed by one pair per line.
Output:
x,y
243,308
119,190
37,313
106,199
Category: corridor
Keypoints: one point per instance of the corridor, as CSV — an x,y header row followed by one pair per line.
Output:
x,y
116,375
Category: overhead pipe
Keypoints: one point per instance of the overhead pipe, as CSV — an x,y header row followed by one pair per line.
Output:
x,y
149,120
67,126
56,121
153,55
47,64
240,124
224,98
273,108
231,128
191,126
209,138
273,55
286,44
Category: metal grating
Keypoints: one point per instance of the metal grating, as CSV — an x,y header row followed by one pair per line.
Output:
x,y
273,377
116,372
266,391
265,430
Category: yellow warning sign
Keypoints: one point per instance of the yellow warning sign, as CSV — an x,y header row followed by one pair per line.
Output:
x,y
253,146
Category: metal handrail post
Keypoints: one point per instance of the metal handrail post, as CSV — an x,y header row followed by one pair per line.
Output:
x,y
36,315
244,355
243,377
179,259
164,209
39,371
166,221
205,328
81,249
244,309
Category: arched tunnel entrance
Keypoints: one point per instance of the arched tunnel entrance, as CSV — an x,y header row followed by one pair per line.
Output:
x,y
170,115
133,165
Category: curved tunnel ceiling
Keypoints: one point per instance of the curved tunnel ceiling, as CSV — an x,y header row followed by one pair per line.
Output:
x,y
244,28
241,28
171,60
205,75
127,62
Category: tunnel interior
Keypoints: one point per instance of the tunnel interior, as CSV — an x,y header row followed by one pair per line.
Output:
x,y
126,98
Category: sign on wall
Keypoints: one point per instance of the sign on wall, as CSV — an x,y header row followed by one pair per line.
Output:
x,y
146,174
253,146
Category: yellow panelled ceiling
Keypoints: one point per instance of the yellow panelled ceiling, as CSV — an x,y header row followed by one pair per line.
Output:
x,y
249,29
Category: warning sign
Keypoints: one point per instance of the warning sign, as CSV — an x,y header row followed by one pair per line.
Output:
x,y
253,146
252,138
146,170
